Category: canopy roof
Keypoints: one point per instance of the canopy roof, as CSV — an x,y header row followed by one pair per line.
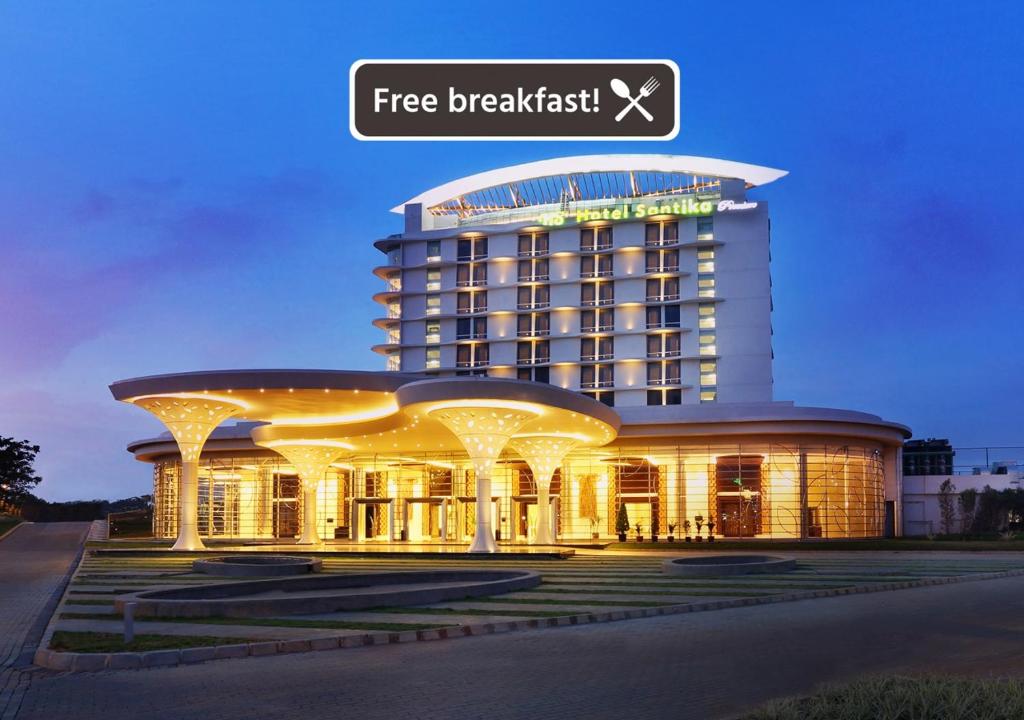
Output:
x,y
585,178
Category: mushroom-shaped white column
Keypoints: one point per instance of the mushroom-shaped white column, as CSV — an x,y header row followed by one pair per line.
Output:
x,y
483,429
544,454
191,419
310,458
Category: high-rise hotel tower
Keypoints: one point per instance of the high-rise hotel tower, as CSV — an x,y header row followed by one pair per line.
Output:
x,y
634,279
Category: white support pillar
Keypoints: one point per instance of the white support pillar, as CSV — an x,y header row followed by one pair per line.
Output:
x,y
310,458
544,454
190,417
483,430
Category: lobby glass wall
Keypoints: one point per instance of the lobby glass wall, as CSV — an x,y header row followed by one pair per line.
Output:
x,y
776,489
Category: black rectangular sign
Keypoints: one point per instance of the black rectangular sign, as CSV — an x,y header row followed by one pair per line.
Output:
x,y
514,99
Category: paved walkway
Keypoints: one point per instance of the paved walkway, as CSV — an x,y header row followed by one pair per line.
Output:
x,y
706,665
33,561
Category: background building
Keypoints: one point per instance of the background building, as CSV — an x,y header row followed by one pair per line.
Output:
x,y
635,279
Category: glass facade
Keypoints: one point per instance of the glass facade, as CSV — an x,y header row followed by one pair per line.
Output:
x,y
775,489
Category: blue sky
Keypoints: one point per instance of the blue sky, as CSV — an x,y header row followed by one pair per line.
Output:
x,y
178,191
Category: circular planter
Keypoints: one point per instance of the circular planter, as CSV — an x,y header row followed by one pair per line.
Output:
x,y
726,565
257,566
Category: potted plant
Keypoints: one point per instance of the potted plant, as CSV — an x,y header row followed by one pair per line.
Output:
x,y
672,532
699,521
686,529
655,527
639,529
622,522
711,528
594,523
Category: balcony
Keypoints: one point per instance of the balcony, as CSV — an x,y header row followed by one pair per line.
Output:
x,y
665,297
533,305
597,273
539,252
534,278
664,353
662,324
471,310
470,283
533,333
592,357
593,384
597,247
662,242
538,360
472,363
471,336
661,382
655,269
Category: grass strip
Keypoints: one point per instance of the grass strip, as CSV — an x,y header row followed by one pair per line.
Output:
x,y
475,612
96,642
548,601
270,622
695,593
89,601
752,585
892,698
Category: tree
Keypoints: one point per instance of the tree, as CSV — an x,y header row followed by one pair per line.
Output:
x,y
622,520
968,505
947,511
17,474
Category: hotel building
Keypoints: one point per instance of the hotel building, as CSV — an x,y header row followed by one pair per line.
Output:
x,y
565,338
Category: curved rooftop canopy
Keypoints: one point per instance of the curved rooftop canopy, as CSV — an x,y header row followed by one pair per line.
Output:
x,y
372,413
583,178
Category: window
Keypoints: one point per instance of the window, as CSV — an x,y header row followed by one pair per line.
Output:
x,y
706,317
668,396
597,320
394,310
433,359
433,251
471,302
533,270
530,297
661,261
532,353
538,374
533,244
605,396
662,289
395,255
471,274
394,362
599,348
471,328
705,230
597,293
432,332
433,305
472,355
597,376
705,285
706,342
472,249
708,381
662,233
665,372
533,324
592,239
433,279
596,265
662,316
663,345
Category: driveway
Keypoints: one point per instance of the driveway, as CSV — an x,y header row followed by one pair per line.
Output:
x,y
34,559
705,665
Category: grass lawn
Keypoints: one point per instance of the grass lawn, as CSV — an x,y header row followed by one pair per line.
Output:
x,y
900,698
871,545
6,523
94,642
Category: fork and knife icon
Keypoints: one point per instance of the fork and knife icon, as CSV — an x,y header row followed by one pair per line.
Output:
x,y
621,89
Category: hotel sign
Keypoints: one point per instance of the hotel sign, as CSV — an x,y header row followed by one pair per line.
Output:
x,y
682,207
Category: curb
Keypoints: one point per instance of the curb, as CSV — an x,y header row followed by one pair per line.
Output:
x,y
10,531
94,662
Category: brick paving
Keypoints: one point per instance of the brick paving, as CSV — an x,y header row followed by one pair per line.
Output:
x,y
34,560
707,665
